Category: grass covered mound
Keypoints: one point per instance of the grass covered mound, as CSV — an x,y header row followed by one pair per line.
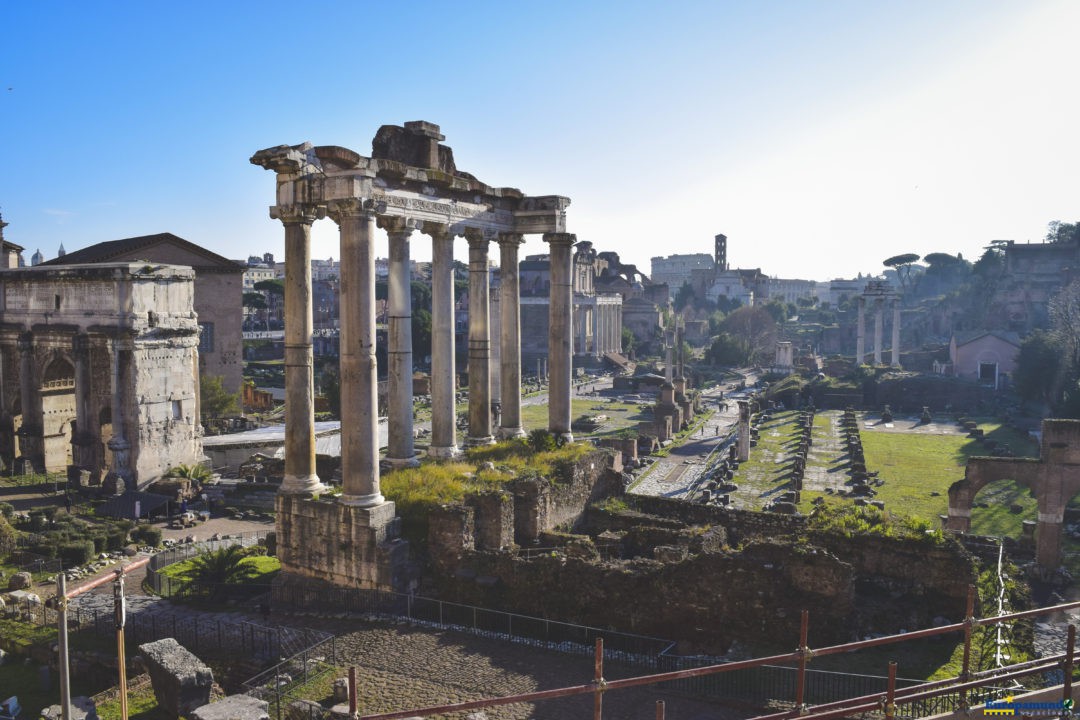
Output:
x,y
416,491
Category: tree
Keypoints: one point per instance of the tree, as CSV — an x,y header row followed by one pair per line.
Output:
x,y
222,566
274,290
214,400
421,333
778,309
1059,232
684,296
629,341
331,390
903,265
725,350
754,329
1038,373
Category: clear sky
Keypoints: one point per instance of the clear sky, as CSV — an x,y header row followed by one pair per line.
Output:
x,y
820,136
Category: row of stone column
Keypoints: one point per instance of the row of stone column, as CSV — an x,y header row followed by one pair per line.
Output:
x,y
879,329
606,327
359,410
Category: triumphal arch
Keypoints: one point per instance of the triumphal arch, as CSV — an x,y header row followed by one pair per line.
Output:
x,y
409,183
99,371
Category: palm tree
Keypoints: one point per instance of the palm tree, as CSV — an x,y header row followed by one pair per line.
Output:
x,y
215,568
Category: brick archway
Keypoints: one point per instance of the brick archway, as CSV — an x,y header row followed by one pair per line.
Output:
x,y
1054,478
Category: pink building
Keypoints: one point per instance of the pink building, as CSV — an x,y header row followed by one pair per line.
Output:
x,y
985,356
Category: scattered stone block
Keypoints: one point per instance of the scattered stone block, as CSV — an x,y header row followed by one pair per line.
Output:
x,y
20,581
233,707
180,680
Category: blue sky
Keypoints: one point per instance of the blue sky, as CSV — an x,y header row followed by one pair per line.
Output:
x,y
820,137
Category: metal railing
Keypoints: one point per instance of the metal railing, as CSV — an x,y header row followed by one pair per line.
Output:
x,y
163,585
916,700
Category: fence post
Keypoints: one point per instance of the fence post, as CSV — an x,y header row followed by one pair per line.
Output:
x,y
659,710
890,693
969,625
598,680
1070,645
804,651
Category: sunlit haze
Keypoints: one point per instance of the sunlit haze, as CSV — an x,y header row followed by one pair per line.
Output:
x,y
820,137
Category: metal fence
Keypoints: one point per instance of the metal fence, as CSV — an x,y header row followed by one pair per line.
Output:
x,y
287,682
163,585
521,629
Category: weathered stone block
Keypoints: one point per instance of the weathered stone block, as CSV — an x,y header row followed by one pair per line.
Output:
x,y
20,581
234,707
180,680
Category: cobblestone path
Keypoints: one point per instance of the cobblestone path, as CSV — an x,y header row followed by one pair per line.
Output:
x,y
402,667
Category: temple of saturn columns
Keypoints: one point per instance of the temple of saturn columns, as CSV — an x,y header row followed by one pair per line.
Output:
x,y
879,293
410,183
99,372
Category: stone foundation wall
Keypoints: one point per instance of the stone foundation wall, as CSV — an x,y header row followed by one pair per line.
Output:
x,y
340,544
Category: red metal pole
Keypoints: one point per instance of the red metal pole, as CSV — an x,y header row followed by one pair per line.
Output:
x,y
1070,644
659,710
804,651
890,693
598,680
969,624
352,691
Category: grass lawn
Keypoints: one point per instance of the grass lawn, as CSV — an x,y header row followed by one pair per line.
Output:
x,y
621,415
263,569
919,468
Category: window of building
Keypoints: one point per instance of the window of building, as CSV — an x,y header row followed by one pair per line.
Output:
x,y
177,410
206,337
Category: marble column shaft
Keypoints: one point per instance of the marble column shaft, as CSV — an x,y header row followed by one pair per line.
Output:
x,y
83,439
400,450
443,375
118,443
510,336
860,331
359,384
560,333
879,329
479,342
300,477
896,333
31,441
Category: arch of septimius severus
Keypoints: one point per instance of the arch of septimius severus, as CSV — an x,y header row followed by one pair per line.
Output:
x,y
99,371
410,183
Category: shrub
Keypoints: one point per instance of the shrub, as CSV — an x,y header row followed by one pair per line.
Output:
x,y
79,552
540,440
7,510
271,543
147,535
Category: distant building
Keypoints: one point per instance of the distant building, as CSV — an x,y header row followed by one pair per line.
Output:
x,y
218,294
1032,274
10,253
988,357
790,291
677,270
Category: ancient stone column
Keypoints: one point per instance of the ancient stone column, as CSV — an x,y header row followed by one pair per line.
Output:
x,y
479,342
359,385
743,446
31,440
860,332
400,452
560,334
84,440
879,329
443,376
510,336
896,333
300,477
120,476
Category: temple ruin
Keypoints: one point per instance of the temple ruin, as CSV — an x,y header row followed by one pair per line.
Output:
x,y
99,372
409,183
879,294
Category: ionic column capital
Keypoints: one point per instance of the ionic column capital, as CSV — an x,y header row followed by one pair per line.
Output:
x,y
477,238
343,208
297,214
560,239
436,231
399,225
510,238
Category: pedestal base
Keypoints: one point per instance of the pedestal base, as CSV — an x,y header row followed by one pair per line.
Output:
x,y
341,541
443,453
303,486
396,463
480,441
506,433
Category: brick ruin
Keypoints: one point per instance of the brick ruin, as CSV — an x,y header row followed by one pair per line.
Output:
x,y
1054,479
700,574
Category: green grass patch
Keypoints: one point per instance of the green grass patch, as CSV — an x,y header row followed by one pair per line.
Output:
x,y
141,705
620,415
258,569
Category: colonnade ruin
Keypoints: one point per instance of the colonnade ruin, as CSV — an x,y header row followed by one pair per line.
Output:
x,y
879,293
410,183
